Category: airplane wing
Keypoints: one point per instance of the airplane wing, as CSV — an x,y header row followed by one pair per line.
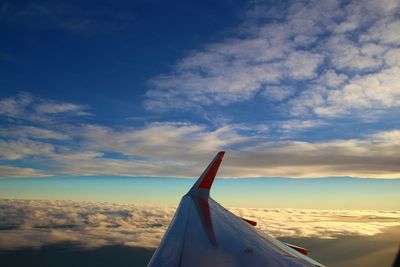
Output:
x,y
203,233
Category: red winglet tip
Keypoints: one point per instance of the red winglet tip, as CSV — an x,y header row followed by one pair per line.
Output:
x,y
211,171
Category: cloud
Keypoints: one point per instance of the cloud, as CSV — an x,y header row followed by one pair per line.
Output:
x,y
161,139
15,172
277,93
36,223
33,223
183,149
332,79
53,108
307,63
372,156
300,124
221,76
384,32
377,91
12,150
27,107
166,149
49,142
32,132
40,130
392,57
387,136
293,45
348,55
235,69
324,224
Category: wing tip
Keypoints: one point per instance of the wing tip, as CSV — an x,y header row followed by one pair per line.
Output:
x,y
207,178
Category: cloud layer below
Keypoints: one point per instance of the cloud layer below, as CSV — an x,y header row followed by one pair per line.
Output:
x,y
36,223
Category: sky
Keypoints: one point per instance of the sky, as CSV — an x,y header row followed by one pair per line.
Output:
x,y
318,193
145,88
109,111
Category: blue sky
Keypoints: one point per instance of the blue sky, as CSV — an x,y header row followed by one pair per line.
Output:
x,y
319,193
146,88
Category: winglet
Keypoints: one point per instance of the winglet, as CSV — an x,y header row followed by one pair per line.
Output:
x,y
206,180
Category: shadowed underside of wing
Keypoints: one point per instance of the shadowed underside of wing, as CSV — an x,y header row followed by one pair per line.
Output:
x,y
203,233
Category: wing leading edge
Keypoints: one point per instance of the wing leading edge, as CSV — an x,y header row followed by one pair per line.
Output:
x,y
203,233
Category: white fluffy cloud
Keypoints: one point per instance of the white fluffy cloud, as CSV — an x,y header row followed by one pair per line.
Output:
x,y
384,32
349,55
319,223
35,223
377,91
337,45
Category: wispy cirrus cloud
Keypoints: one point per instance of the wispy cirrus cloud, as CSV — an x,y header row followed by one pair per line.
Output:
x,y
19,172
36,223
162,139
57,137
186,148
290,125
55,145
27,107
372,156
167,149
33,132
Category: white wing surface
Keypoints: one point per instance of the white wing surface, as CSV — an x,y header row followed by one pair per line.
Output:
x,y
203,233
